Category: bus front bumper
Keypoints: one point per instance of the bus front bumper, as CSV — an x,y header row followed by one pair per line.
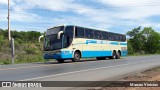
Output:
x,y
52,56
61,55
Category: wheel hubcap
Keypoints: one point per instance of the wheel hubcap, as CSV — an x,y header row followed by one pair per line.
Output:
x,y
114,56
77,56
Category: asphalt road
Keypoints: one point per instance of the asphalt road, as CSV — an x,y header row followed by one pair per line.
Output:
x,y
86,70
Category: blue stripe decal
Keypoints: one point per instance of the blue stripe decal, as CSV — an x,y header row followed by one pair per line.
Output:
x,y
104,42
90,41
123,43
114,43
96,53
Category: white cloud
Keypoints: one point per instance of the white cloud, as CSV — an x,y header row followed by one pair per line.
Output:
x,y
5,2
126,14
127,2
133,9
55,5
17,16
24,17
3,15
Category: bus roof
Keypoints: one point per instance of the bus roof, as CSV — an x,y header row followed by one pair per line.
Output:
x,y
99,29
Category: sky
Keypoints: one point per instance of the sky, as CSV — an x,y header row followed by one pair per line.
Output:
x,y
113,15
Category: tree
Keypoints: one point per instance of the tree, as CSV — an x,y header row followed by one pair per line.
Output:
x,y
134,32
136,39
147,40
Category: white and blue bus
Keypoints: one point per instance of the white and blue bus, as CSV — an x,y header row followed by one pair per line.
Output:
x,y
75,42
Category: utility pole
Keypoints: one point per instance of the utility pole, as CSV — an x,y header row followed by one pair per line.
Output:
x,y
11,41
9,32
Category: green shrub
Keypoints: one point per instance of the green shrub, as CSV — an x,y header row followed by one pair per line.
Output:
x,y
7,61
23,58
1,40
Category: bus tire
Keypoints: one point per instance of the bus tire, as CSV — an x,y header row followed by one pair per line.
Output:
x,y
60,60
113,55
118,55
76,56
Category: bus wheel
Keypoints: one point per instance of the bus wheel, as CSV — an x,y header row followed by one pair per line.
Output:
x,y
113,55
118,55
76,57
60,60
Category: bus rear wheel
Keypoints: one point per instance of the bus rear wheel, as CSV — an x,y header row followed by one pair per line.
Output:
x,y
60,60
118,54
76,57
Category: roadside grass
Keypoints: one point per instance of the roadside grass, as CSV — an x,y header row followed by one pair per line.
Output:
x,y
23,59
29,58
24,53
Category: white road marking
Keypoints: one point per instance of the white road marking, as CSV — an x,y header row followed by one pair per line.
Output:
x,y
84,70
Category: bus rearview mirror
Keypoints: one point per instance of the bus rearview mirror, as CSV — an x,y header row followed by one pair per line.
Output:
x,y
59,34
39,39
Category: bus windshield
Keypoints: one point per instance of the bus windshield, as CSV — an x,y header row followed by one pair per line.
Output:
x,y
51,42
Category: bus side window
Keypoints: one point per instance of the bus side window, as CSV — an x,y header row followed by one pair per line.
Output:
x,y
103,35
121,38
86,33
89,33
100,35
79,32
124,38
112,37
97,34
109,36
115,37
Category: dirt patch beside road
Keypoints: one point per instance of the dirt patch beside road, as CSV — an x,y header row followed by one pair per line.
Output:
x,y
148,75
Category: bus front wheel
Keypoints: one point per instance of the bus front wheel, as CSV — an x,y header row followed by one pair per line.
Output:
x,y
76,57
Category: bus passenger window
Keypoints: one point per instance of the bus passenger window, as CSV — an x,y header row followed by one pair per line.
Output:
x,y
104,35
124,38
97,34
79,32
88,33
109,36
